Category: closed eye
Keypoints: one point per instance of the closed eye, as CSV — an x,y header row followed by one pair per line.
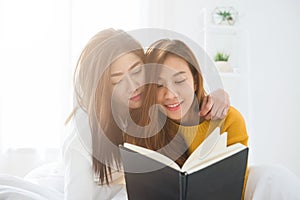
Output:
x,y
180,81
136,70
116,82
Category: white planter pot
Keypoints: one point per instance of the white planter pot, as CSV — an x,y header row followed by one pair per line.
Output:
x,y
224,66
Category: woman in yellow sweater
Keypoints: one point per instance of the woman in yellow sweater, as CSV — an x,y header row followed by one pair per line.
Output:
x,y
179,93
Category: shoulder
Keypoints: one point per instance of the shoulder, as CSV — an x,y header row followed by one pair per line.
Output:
x,y
235,126
234,115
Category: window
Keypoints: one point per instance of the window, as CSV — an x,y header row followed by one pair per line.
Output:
x,y
40,43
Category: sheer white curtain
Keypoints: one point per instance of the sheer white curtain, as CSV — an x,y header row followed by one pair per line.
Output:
x,y
35,60
40,42
91,16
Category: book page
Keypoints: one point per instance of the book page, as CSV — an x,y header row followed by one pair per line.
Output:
x,y
229,151
153,154
213,145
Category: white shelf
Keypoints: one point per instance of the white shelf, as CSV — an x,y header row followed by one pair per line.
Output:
x,y
225,39
228,39
221,29
230,74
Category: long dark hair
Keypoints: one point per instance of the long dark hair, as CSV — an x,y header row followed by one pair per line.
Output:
x,y
93,90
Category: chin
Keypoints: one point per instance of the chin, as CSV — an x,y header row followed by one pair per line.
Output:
x,y
174,118
135,105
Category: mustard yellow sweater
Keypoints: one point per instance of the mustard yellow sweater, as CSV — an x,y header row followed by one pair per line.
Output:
x,y
233,124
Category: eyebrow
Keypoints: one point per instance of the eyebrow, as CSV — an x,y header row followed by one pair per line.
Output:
x,y
121,73
178,73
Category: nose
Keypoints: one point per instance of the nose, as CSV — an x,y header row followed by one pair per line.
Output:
x,y
132,84
169,93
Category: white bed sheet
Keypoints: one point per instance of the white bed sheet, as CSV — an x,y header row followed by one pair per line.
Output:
x,y
15,188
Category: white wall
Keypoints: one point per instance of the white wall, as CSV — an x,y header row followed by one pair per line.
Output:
x,y
272,42
274,67
190,18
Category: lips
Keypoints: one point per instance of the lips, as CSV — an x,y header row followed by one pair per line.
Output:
x,y
136,97
174,106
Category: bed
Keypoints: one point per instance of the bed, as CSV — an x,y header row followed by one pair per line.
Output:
x,y
265,182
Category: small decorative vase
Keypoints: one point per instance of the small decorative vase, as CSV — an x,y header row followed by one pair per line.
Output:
x,y
224,66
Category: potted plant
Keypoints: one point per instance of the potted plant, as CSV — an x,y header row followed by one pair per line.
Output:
x,y
221,60
225,16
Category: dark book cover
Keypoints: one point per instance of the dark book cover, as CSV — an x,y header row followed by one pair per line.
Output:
x,y
148,179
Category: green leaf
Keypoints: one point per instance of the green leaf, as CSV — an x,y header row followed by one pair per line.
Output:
x,y
221,57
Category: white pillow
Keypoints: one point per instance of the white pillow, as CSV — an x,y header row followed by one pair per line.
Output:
x,y
272,182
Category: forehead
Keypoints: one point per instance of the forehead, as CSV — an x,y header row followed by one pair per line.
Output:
x,y
123,63
175,64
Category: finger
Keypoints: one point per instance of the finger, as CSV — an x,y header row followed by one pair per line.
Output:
x,y
221,111
206,108
218,114
203,112
214,112
207,116
225,111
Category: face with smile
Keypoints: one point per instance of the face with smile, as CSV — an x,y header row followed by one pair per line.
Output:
x,y
176,87
127,76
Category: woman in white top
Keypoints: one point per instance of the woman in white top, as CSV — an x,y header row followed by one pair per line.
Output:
x,y
90,150
108,81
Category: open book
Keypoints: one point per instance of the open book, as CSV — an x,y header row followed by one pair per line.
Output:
x,y
212,171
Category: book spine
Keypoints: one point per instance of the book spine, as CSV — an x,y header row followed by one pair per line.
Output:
x,y
182,185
